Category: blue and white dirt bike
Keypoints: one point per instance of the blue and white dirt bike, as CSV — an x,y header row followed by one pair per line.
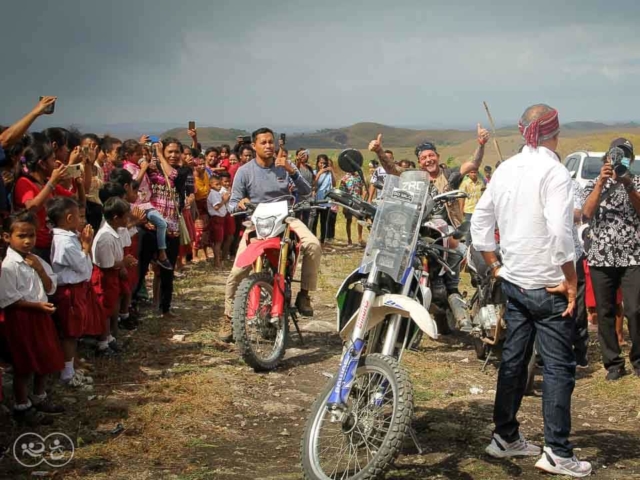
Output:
x,y
358,423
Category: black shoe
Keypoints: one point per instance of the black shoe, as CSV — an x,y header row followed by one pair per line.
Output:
x,y
31,417
303,304
47,407
582,361
128,323
115,346
615,373
636,372
166,264
106,353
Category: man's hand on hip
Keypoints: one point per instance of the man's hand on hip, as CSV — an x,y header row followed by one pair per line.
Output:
x,y
570,290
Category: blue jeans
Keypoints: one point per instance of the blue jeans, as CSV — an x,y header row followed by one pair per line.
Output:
x,y
537,315
158,221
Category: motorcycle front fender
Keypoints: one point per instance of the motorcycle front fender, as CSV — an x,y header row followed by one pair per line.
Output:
x,y
255,249
390,304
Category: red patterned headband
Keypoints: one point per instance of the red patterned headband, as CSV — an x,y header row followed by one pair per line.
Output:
x,y
543,128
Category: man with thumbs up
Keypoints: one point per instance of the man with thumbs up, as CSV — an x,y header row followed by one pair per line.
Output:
x,y
444,180
266,177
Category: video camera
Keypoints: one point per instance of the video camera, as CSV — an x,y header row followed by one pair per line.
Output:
x,y
619,162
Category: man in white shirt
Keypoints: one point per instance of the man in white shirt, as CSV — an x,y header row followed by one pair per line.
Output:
x,y
530,198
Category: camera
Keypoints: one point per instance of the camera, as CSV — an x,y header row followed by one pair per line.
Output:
x,y
619,162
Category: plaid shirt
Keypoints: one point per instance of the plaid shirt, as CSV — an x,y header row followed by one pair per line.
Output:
x,y
107,168
165,200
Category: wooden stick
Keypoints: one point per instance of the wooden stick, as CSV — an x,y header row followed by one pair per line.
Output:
x,y
493,127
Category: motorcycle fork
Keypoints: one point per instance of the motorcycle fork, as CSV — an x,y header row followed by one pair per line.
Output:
x,y
395,322
337,402
277,309
254,294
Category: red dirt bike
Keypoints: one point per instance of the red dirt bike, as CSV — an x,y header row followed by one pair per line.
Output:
x,y
262,306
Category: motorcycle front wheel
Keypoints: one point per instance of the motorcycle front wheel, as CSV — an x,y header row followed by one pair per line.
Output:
x,y
363,444
260,342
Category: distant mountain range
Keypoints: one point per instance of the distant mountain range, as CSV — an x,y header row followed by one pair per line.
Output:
x,y
360,134
357,136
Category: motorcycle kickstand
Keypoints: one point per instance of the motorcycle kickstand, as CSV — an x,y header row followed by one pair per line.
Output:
x,y
416,442
486,361
294,318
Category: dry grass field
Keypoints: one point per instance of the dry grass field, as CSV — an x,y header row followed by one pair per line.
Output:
x,y
191,410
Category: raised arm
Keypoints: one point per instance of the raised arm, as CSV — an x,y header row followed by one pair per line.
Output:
x,y
164,163
389,166
478,155
15,132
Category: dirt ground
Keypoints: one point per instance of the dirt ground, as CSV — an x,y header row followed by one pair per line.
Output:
x,y
191,410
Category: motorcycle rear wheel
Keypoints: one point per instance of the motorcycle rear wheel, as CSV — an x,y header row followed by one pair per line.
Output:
x,y
261,344
373,428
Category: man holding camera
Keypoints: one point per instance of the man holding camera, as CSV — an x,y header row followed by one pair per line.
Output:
x,y
613,252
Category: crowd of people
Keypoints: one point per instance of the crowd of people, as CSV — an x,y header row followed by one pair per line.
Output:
x,y
86,217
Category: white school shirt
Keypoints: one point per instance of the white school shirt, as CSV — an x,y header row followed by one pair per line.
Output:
x,y
107,247
530,198
215,198
125,237
68,261
19,281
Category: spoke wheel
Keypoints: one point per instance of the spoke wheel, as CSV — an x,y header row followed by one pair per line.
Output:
x,y
260,341
363,443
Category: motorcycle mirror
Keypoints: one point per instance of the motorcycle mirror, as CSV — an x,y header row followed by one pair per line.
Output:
x,y
350,160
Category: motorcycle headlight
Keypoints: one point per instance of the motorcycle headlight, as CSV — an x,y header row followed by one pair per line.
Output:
x,y
264,226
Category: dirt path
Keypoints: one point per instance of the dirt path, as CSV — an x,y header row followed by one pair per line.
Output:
x,y
191,410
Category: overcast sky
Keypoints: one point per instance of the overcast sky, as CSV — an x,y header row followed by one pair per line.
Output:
x,y
426,63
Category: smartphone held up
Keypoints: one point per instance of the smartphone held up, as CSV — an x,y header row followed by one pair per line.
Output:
x,y
50,108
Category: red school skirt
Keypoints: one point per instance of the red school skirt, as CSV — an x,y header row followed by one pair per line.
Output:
x,y
96,321
132,272
71,309
32,341
106,285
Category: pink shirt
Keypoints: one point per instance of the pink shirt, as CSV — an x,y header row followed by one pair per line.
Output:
x,y
144,192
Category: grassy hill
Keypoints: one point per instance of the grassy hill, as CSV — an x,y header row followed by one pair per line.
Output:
x,y
458,145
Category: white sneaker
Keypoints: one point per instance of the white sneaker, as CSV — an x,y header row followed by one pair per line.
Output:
x,y
498,448
551,463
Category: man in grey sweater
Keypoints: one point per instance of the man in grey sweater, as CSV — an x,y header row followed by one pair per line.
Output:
x,y
263,179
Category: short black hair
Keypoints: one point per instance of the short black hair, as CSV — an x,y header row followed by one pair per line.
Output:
x,y
168,141
212,149
261,131
246,147
57,135
121,176
111,190
389,151
22,216
115,207
58,208
91,136
109,143
224,174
